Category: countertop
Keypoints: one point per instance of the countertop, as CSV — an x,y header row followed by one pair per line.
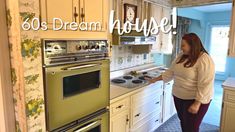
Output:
x,y
229,83
117,92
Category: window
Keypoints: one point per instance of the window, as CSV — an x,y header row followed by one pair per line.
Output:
x,y
219,46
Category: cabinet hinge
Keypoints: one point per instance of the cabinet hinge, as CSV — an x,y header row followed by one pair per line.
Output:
x,y
222,104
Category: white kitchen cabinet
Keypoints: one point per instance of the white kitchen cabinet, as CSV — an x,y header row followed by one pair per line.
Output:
x,y
84,12
228,114
231,50
150,124
120,122
228,106
168,102
94,11
142,110
156,12
164,41
146,106
57,9
120,115
146,11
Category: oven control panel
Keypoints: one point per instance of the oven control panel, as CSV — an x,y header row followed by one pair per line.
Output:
x,y
69,51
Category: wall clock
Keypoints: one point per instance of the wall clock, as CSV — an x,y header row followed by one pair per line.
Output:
x,y
130,13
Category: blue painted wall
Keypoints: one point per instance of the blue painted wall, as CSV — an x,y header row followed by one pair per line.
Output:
x,y
201,24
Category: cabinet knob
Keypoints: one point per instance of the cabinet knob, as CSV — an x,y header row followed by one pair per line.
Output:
x,y
157,102
137,115
119,107
127,119
156,120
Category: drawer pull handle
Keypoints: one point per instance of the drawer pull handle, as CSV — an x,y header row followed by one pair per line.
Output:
x,y
157,102
137,115
75,14
157,120
119,107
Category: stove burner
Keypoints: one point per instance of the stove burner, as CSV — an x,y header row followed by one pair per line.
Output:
x,y
118,81
127,77
137,81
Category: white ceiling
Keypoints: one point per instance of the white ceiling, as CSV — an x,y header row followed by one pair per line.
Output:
x,y
214,8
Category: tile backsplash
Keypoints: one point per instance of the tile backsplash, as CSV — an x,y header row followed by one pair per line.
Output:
x,y
122,58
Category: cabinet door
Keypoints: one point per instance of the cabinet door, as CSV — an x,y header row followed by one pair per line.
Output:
x,y
156,13
166,38
120,122
173,109
227,120
167,105
63,9
93,11
145,10
231,52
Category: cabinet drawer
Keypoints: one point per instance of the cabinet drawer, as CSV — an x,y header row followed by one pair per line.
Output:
x,y
119,106
143,97
149,125
139,114
229,96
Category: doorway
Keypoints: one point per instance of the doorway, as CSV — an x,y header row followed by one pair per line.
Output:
x,y
219,41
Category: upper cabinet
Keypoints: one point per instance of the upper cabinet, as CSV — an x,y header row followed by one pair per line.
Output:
x,y
88,14
162,2
92,11
183,3
57,9
156,12
231,51
164,40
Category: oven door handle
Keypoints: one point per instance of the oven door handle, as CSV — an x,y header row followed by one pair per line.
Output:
x,y
89,126
81,66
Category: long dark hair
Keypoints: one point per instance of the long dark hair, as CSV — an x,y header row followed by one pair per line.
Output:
x,y
196,47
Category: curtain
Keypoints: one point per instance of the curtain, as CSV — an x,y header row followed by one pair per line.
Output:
x,y
182,28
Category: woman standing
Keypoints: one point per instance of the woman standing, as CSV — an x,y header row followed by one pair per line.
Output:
x,y
193,73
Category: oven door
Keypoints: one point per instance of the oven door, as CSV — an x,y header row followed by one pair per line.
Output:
x,y
74,91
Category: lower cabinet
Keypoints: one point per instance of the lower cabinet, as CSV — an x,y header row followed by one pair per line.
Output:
x,y
146,108
120,115
168,102
142,111
120,122
228,111
151,124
